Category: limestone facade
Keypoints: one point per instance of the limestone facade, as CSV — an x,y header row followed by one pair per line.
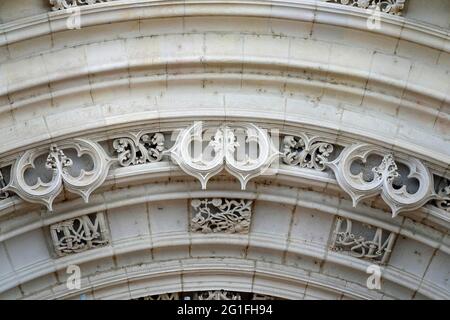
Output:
x,y
223,149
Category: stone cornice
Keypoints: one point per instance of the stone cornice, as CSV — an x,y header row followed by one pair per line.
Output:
x,y
306,10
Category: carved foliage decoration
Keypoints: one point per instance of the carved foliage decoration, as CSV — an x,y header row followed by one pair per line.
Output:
x,y
358,186
139,149
218,295
64,171
209,295
221,215
226,149
64,4
366,242
306,153
443,199
3,194
79,234
243,149
387,6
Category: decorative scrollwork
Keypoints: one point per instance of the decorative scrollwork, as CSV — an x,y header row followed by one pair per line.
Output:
x,y
61,173
311,154
79,234
367,243
208,295
224,151
221,215
3,194
394,7
145,148
218,295
443,200
387,169
65,4
359,187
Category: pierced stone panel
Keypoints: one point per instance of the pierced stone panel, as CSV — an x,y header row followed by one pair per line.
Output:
x,y
221,215
387,6
403,185
79,234
244,150
65,4
443,194
209,295
306,153
3,194
39,175
362,240
140,149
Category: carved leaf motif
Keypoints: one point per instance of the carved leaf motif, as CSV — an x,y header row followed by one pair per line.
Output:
x,y
65,4
298,152
3,194
443,201
387,6
208,295
387,169
149,148
221,215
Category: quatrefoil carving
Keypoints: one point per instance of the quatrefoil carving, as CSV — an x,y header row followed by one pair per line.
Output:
x,y
383,178
223,150
61,171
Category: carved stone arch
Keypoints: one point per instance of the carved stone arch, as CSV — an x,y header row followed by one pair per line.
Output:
x,y
329,150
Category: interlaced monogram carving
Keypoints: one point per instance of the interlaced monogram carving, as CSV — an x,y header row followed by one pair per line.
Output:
x,y
143,149
79,234
306,153
365,241
387,6
221,215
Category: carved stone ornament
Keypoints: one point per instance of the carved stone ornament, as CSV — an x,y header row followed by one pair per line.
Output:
x,y
139,149
387,6
79,234
382,181
243,149
225,150
209,295
221,215
306,153
366,243
65,4
61,175
443,200
3,194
